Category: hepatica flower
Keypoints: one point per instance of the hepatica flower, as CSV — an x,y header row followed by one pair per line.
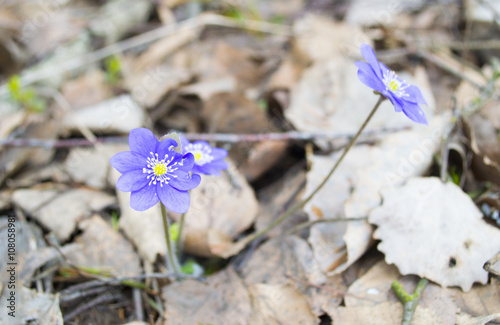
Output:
x,y
403,96
152,171
207,160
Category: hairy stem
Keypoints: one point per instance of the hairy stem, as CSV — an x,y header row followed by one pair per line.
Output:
x,y
172,261
302,203
178,242
409,302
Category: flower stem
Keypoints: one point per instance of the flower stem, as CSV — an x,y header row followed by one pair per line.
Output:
x,y
173,262
302,203
178,242
409,302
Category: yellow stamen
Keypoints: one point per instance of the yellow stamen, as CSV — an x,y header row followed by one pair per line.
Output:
x,y
197,156
159,169
393,85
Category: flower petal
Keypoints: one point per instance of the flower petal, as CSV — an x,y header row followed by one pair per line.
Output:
x,y
212,168
414,112
142,141
398,103
144,198
126,161
132,181
164,148
183,182
218,153
172,199
367,76
187,162
371,58
415,95
184,142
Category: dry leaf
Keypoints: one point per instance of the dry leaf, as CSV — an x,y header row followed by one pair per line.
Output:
x,y
398,157
223,300
275,304
284,257
386,313
117,115
441,227
482,300
60,210
104,248
89,89
277,197
32,307
328,239
117,17
379,12
28,237
91,166
222,207
464,319
149,86
374,288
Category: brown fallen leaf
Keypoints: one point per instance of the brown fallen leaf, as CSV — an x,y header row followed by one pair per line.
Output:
x,y
275,304
222,207
104,248
60,209
117,115
89,89
234,113
222,299
374,289
441,227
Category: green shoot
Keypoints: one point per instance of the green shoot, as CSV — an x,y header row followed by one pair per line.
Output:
x,y
25,97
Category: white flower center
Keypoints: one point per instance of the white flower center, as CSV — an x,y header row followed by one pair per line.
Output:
x,y
200,152
394,84
159,170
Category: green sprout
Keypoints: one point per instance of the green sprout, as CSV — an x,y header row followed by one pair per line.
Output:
x,y
113,69
26,97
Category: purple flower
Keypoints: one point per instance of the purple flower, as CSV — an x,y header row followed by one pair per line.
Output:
x,y
154,172
404,97
207,160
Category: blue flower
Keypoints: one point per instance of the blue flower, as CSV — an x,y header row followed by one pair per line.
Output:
x,y
404,97
207,160
154,172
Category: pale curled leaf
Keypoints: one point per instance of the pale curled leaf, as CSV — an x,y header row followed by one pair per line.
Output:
x,y
434,230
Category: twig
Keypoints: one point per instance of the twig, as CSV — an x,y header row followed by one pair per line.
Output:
x,y
307,224
139,311
90,304
120,281
244,241
409,302
440,62
221,137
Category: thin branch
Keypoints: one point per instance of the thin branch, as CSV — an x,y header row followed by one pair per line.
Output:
x,y
308,224
409,302
221,137
94,302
